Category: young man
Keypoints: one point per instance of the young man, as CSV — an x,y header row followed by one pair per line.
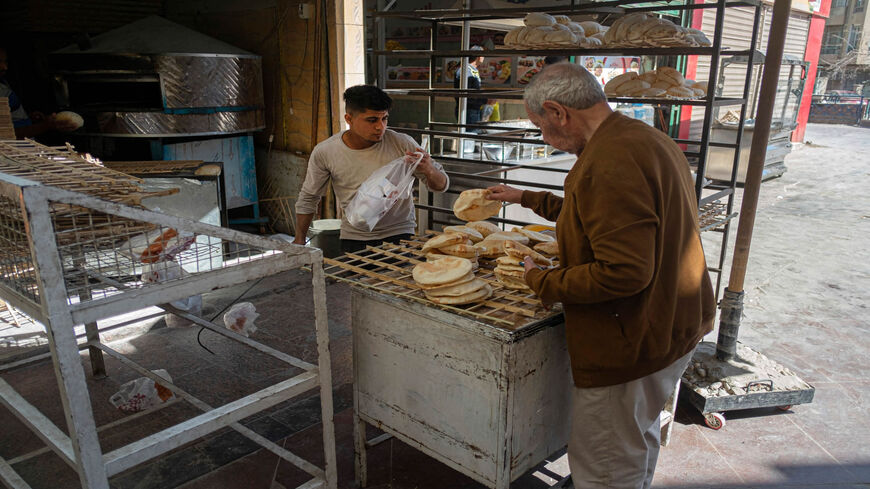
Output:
x,y
350,157
632,276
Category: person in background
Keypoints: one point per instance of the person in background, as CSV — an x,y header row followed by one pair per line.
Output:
x,y
632,276
27,125
350,157
599,74
473,105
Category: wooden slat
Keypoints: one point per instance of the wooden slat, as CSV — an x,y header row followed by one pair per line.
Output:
x,y
387,269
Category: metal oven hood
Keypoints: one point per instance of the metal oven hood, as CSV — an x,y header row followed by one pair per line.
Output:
x,y
156,78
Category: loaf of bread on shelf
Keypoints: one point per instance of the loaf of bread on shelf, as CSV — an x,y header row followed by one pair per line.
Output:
x,y
576,28
561,37
538,19
617,81
670,75
538,35
562,19
680,91
620,28
649,77
652,92
629,89
510,39
591,42
590,28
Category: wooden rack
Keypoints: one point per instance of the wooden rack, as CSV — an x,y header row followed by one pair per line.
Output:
x,y
387,268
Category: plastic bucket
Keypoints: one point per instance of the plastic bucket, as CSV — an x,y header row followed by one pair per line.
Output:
x,y
325,234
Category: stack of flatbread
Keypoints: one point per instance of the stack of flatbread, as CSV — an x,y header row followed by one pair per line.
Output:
x,y
664,82
642,30
450,280
544,31
509,272
451,244
492,246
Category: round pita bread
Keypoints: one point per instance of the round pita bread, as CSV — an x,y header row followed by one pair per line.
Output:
x,y
490,248
466,278
511,282
550,248
518,250
442,240
534,236
456,290
476,296
510,272
512,268
463,250
474,235
508,235
485,228
472,205
442,271
508,260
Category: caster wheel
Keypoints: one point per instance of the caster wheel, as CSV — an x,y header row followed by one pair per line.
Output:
x,y
784,408
715,421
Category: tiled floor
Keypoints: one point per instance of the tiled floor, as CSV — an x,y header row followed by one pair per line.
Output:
x,y
807,293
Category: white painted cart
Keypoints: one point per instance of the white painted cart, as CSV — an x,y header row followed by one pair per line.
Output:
x,y
72,247
484,389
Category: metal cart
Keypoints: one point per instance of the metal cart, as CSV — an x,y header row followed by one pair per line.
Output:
x,y
73,246
484,388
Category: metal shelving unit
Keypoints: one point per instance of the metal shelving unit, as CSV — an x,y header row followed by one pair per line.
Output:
x,y
75,248
715,199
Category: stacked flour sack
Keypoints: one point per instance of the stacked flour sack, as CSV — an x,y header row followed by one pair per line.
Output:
x,y
544,31
450,280
664,82
642,30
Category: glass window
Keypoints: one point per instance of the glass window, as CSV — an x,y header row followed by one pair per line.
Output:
x,y
832,41
839,4
859,6
854,38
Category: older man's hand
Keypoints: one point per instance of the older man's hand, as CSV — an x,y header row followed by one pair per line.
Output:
x,y
505,194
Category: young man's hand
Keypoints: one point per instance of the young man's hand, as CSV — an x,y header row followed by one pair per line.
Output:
x,y
505,193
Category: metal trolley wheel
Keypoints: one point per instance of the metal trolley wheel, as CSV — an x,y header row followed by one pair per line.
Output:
x,y
715,421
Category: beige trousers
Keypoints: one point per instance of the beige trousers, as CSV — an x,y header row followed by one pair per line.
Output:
x,y
615,430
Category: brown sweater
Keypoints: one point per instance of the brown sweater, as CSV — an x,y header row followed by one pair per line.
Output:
x,y
632,277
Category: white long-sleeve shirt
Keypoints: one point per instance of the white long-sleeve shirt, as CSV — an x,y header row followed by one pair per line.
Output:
x,y
349,168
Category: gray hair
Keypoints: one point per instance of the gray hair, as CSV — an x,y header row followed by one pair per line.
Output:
x,y
567,84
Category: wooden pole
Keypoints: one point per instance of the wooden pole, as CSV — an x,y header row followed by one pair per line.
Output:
x,y
732,301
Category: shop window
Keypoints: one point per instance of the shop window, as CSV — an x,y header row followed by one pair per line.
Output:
x,y
854,38
832,41
838,4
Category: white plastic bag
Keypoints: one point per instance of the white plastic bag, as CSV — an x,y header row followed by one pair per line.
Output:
x,y
240,318
165,271
142,393
380,192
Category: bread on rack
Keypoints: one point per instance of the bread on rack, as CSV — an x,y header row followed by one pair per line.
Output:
x,y
641,30
485,228
512,248
470,233
670,75
617,81
442,240
538,19
507,235
547,248
590,28
441,272
534,236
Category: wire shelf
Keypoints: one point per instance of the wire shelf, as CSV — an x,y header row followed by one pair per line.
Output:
x,y
387,268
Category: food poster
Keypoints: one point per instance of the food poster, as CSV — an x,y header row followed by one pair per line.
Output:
x,y
605,68
495,71
527,67
451,66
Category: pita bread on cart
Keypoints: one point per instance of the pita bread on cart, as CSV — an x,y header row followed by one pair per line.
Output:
x,y
474,235
476,296
518,250
441,271
442,240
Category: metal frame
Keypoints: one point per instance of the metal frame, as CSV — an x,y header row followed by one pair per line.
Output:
x,y
707,193
51,303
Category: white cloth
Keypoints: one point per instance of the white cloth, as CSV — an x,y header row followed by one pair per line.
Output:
x,y
615,430
349,168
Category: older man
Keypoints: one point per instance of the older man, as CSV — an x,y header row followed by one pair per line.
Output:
x,y
632,275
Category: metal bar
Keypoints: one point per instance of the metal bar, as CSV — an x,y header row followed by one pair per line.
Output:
x,y
714,197
10,477
729,325
482,178
321,325
173,437
45,429
202,406
444,14
278,355
711,92
454,53
61,337
199,283
378,440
